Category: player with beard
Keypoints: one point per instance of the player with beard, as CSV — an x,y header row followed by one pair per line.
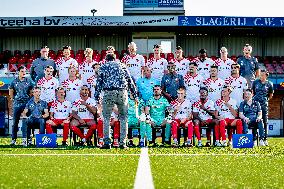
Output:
x,y
192,83
203,112
83,111
48,84
204,63
237,83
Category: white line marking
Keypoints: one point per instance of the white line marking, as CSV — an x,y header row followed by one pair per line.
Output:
x,y
69,154
214,155
144,179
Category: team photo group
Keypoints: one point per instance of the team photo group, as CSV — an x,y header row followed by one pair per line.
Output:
x,y
113,96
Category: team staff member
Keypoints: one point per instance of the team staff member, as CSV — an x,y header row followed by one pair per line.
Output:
x,y
249,65
263,92
19,92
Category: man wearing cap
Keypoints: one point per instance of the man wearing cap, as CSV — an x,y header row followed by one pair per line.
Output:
x,y
263,92
204,63
114,80
171,82
249,65
38,65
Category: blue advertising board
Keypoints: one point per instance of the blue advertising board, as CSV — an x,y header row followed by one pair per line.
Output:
x,y
242,141
46,140
230,21
152,3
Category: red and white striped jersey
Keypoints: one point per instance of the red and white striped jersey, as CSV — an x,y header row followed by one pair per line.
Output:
x,y
72,88
48,87
209,104
224,67
184,108
158,66
82,110
86,70
62,66
134,65
223,110
204,67
214,88
238,86
61,110
92,82
181,66
192,84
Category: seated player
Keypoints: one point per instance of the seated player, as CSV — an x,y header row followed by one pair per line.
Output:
x,y
226,113
158,106
83,113
60,113
182,116
203,112
37,111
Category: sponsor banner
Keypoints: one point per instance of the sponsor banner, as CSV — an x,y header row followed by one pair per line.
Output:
x,y
230,21
46,140
152,3
89,21
242,141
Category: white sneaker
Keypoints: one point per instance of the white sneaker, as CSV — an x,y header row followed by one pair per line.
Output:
x,y
261,143
199,143
13,142
101,142
24,142
225,143
254,143
175,143
142,117
84,140
30,141
148,119
217,143
266,143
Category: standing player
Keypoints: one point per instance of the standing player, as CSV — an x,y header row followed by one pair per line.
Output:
x,y
181,63
203,112
237,83
224,64
214,84
72,85
203,63
92,81
157,64
182,116
86,68
263,92
62,64
60,114
109,50
249,67
226,113
134,62
48,84
192,83
83,111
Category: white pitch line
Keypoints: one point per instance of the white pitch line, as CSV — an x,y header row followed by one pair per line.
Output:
x,y
69,154
144,179
212,155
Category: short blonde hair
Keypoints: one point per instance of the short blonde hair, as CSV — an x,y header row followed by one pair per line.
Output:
x,y
132,44
88,51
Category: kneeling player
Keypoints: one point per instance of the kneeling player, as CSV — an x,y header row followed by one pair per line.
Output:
x,y
83,112
60,113
226,112
182,116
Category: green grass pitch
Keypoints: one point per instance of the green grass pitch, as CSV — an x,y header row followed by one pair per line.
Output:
x,y
115,168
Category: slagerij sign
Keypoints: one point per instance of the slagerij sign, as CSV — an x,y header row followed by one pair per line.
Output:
x,y
230,21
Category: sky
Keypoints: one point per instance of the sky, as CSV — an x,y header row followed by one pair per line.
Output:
x,y
35,8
